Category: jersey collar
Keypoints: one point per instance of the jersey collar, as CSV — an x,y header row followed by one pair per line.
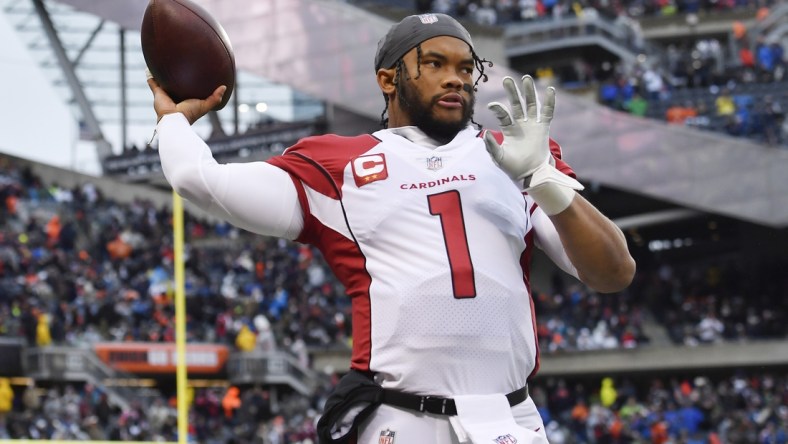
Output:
x,y
418,137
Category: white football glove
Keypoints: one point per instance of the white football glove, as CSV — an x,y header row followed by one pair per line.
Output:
x,y
525,153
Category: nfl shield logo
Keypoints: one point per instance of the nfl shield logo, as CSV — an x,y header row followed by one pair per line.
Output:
x,y
386,437
428,18
506,439
434,163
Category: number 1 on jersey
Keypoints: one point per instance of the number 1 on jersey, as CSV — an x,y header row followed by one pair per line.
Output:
x,y
448,207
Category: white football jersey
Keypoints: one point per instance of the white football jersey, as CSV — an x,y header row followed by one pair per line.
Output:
x,y
433,246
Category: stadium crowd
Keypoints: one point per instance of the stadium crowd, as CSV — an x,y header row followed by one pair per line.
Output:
x,y
699,88
77,267
502,12
697,304
743,408
217,415
695,82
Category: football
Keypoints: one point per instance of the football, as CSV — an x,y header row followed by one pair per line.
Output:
x,y
187,50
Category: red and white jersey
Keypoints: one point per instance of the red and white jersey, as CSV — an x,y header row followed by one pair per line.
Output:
x,y
433,246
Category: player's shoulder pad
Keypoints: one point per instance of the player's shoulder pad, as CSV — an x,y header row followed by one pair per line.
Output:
x,y
332,145
496,134
327,154
560,164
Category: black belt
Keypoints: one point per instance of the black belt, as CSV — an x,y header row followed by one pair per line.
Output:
x,y
438,405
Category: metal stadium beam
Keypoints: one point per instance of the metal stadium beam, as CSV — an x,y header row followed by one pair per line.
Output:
x,y
88,43
67,66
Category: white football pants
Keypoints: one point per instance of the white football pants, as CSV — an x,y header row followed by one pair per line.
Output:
x,y
412,427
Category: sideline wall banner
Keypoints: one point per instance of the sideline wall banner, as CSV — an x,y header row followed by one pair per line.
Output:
x,y
144,357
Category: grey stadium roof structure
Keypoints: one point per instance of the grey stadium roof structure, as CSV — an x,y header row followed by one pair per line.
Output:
x,y
325,48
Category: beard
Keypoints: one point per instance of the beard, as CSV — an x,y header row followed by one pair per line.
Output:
x,y
421,113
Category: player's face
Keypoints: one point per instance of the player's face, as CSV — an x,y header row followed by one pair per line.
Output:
x,y
433,95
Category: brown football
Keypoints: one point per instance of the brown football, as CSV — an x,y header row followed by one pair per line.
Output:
x,y
187,50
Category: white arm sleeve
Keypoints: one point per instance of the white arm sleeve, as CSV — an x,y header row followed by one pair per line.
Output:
x,y
255,196
547,240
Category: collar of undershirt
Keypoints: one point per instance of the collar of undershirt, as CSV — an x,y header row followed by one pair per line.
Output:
x,y
416,135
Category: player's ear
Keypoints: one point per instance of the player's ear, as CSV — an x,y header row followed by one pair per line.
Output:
x,y
386,79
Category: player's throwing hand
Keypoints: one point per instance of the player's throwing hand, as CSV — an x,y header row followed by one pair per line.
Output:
x,y
193,109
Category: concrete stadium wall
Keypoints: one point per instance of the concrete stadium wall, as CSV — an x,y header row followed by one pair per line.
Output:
x,y
669,359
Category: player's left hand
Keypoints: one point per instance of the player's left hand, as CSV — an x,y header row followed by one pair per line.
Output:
x,y
525,153
526,144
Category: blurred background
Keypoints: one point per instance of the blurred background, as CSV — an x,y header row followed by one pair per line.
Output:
x,y
671,111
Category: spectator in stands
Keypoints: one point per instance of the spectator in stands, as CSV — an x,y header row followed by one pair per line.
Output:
x,y
765,61
653,84
626,91
724,103
637,106
603,337
578,418
773,434
43,337
265,340
778,54
231,402
744,119
30,399
245,340
92,428
486,13
710,329
746,63
549,6
771,115
679,113
6,398
607,393
529,9
608,94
